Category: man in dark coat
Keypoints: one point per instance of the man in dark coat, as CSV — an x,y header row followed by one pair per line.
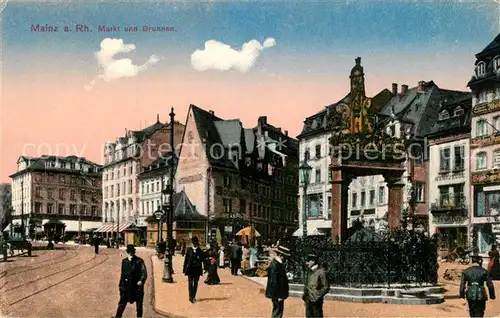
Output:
x,y
132,280
315,289
193,267
235,254
97,241
277,282
472,287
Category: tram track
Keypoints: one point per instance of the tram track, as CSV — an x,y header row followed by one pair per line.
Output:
x,y
55,260
36,282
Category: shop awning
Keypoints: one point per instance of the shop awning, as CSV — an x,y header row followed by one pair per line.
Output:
x,y
111,227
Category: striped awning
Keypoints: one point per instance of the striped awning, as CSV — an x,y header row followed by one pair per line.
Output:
x,y
111,227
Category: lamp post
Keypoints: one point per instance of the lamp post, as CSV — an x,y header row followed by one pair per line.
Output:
x,y
305,172
168,206
159,215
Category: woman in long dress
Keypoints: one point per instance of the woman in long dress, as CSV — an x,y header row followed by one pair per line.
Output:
x,y
494,263
221,257
253,256
212,277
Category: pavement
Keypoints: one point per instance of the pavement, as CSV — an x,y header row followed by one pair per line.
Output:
x,y
69,282
238,296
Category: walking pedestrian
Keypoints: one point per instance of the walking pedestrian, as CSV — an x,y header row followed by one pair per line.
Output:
x,y
193,267
315,288
472,287
97,241
132,280
277,282
236,253
494,263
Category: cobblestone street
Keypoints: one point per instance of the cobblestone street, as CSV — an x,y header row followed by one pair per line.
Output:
x,y
240,297
73,282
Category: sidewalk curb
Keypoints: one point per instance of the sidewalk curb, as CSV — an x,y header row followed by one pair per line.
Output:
x,y
262,287
153,297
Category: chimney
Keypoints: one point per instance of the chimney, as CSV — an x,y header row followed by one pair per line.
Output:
x,y
212,113
286,133
421,87
394,88
404,89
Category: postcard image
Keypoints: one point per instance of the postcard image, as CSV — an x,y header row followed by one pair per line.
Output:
x,y
210,158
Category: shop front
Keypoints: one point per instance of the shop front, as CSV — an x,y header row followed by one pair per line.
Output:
x,y
452,230
486,220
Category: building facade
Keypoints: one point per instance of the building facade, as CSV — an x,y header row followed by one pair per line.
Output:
x,y
124,160
64,188
449,168
237,176
485,146
152,180
5,204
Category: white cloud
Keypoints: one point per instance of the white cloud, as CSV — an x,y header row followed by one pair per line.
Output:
x,y
111,68
221,57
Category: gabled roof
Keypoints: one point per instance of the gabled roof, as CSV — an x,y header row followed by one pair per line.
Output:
x,y
184,208
492,47
454,124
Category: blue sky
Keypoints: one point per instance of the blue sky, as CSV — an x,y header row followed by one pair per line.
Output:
x,y
302,29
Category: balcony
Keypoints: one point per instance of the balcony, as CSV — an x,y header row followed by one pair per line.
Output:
x,y
450,203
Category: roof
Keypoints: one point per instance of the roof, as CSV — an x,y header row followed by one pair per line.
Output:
x,y
39,164
454,124
230,133
184,208
420,108
158,167
486,56
494,46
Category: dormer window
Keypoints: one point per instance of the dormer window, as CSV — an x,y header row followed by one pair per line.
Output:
x,y
481,69
459,111
496,63
444,115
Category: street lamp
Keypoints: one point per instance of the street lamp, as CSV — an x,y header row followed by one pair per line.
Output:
x,y
168,206
159,215
305,172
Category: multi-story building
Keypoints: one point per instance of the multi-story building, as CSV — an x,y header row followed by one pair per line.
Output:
x,y
152,180
448,174
237,176
5,205
485,146
64,188
123,161
315,148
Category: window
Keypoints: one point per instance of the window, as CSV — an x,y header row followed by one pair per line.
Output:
x,y
315,205
496,158
318,151
227,205
363,198
63,165
37,192
112,192
83,210
118,189
481,161
72,209
354,199
418,192
83,195
459,158
94,210
496,124
318,175
72,166
481,129
227,181
444,115
50,208
72,195
62,194
243,206
61,209
481,68
49,193
444,163
307,155
129,186
329,205
38,207
459,111
496,63
381,195
62,179
372,197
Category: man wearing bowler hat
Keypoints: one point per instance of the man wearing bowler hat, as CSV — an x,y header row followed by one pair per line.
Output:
x,y
277,282
315,288
132,280
472,287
